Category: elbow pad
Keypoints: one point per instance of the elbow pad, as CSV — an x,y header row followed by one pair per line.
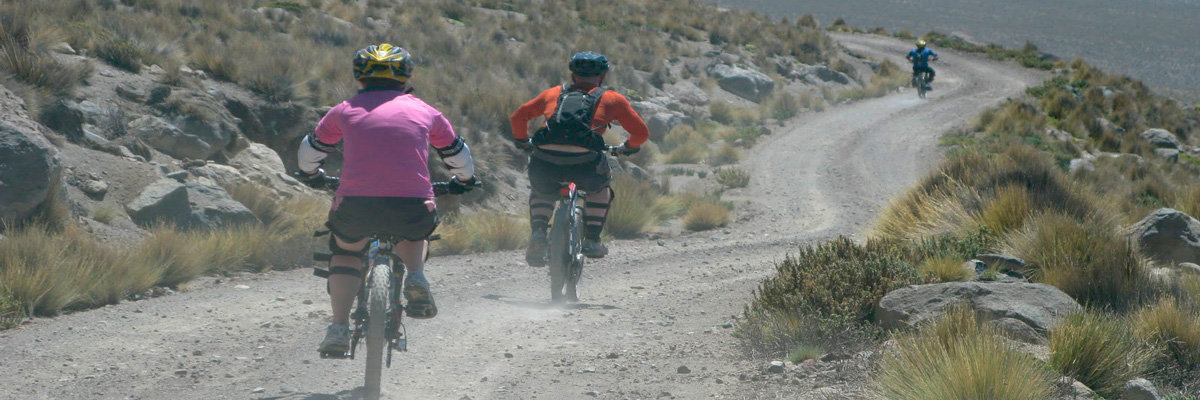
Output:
x,y
457,157
312,153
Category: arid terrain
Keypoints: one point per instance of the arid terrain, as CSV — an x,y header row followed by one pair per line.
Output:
x,y
1151,40
656,316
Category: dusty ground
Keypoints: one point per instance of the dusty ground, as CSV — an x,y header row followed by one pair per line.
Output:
x,y
1151,40
649,309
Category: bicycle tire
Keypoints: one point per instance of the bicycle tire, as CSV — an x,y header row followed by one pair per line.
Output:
x,y
574,269
378,290
560,249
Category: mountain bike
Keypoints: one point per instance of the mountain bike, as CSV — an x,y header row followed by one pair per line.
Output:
x,y
378,310
921,82
565,254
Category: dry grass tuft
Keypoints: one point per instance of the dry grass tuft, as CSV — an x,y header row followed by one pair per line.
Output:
x,y
959,358
481,232
631,213
1173,328
732,177
1098,350
944,269
706,215
727,154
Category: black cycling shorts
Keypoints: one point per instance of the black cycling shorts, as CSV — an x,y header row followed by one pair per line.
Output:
x,y
355,218
549,171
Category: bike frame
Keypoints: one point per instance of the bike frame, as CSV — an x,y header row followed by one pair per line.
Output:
x,y
380,251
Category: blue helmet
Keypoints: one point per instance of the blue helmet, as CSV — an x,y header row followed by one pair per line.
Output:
x,y
589,63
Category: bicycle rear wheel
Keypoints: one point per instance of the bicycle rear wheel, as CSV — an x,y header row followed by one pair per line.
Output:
x,y
574,269
560,249
377,314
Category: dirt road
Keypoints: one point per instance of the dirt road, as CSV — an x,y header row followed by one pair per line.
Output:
x,y
652,309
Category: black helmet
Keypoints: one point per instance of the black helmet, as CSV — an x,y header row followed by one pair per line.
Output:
x,y
589,63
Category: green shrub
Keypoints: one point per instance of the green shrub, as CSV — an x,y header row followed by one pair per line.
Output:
x,y
11,312
959,358
733,177
1098,350
805,352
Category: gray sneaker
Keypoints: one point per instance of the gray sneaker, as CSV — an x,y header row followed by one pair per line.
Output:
x,y
419,298
337,339
594,249
535,254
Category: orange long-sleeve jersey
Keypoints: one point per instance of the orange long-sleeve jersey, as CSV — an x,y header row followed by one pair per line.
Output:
x,y
613,107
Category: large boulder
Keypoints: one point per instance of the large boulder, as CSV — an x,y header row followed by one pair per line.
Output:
x,y
1035,304
263,166
187,206
688,93
29,165
194,126
747,84
1161,138
821,75
169,139
1169,236
659,119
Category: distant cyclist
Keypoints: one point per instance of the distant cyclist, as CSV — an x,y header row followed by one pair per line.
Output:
x,y
569,149
920,58
385,186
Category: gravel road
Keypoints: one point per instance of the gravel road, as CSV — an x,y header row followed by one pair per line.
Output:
x,y
649,309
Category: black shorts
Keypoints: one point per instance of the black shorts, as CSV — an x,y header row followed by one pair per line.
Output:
x,y
355,218
549,171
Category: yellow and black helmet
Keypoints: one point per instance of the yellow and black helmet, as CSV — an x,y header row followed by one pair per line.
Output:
x,y
921,43
383,61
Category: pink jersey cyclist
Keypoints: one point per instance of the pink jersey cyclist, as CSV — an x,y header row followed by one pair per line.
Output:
x,y
386,138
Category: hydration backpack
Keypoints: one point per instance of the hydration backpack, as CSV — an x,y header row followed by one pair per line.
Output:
x,y
571,123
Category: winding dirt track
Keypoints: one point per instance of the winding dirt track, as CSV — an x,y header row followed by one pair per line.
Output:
x,y
649,308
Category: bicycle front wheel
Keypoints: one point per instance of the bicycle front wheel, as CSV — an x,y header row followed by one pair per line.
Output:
x,y
377,314
560,249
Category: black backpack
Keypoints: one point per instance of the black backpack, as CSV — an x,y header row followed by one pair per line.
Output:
x,y
571,123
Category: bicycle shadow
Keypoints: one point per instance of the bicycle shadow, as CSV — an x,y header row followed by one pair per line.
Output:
x,y
353,394
535,305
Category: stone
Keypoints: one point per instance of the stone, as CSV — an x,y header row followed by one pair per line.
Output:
x,y
1002,262
747,84
1108,126
30,166
130,92
776,367
688,93
1017,330
262,165
168,138
659,119
1081,164
821,75
93,187
1169,154
1169,236
1190,268
683,369
66,118
1140,389
1160,138
187,206
1035,304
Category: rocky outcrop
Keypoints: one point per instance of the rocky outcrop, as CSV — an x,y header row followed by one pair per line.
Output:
x,y
747,84
187,206
1037,305
169,139
29,165
821,75
263,166
1161,138
1169,236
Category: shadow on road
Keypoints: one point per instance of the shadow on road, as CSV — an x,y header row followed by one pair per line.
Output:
x,y
535,305
354,394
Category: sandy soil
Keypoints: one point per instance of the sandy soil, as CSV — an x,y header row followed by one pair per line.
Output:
x,y
649,309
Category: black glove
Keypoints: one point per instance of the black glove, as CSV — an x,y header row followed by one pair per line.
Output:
x,y
626,150
455,186
315,180
523,144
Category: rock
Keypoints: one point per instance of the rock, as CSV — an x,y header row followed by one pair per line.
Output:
x,y
836,356
1161,138
180,176
262,165
747,84
187,206
1016,330
258,390
776,367
1002,262
65,118
181,372
223,175
683,369
974,267
688,93
169,139
821,75
1060,135
1169,154
1169,236
277,125
62,48
1070,389
30,167
659,119
1190,268
1108,126
1081,164
130,92
94,187
1140,389
1037,305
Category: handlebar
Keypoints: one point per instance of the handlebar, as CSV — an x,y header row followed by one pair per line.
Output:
x,y
331,183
